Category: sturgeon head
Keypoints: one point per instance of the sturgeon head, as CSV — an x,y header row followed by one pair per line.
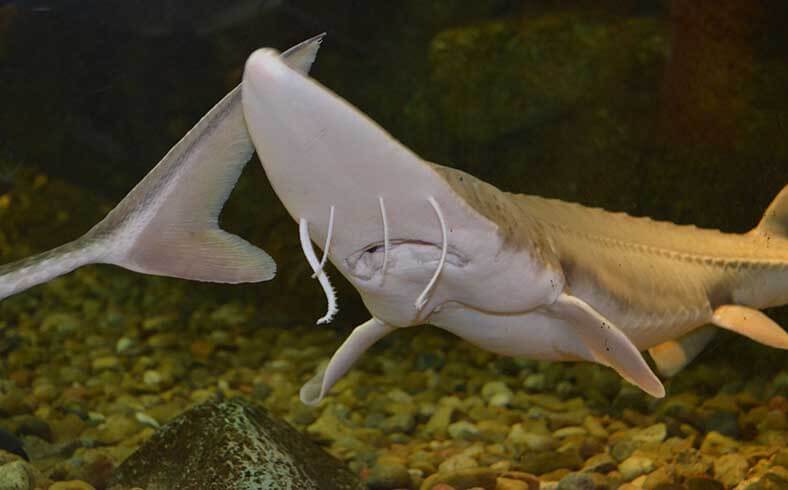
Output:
x,y
409,235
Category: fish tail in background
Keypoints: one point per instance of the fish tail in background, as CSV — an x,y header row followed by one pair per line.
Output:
x,y
168,224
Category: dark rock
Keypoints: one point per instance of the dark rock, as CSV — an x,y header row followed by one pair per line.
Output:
x,y
231,444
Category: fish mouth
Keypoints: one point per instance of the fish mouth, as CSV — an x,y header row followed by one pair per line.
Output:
x,y
404,256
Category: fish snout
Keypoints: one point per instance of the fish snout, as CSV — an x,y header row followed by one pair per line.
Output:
x,y
264,64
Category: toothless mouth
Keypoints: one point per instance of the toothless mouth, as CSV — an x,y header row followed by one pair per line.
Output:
x,y
404,255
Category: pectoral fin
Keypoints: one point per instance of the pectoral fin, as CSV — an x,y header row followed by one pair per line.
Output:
x,y
750,323
361,339
607,343
672,356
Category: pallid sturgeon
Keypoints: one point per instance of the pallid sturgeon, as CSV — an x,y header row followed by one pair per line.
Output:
x,y
513,274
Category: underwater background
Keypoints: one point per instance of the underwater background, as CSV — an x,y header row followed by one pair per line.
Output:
x,y
674,110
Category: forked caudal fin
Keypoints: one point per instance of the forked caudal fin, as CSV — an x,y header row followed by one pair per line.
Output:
x,y
168,224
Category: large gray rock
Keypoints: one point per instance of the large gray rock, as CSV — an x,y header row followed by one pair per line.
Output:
x,y
231,445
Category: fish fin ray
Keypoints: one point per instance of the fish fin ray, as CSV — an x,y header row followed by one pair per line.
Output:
x,y
751,323
607,344
207,254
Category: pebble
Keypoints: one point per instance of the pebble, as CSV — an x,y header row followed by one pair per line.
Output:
x,y
653,434
576,481
388,474
621,450
438,424
535,382
457,462
600,463
116,428
13,405
45,392
540,463
595,428
123,345
573,431
715,444
403,422
151,377
509,484
781,458
146,419
463,430
15,476
462,479
163,340
731,469
71,485
634,466
493,430
105,363
496,393
534,441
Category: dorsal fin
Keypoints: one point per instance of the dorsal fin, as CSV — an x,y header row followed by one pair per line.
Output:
x,y
775,219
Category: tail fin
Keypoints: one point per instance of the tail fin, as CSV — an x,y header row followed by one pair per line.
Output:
x,y
168,224
169,221
775,219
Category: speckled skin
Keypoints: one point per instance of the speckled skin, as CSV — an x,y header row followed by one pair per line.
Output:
x,y
655,280
231,445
